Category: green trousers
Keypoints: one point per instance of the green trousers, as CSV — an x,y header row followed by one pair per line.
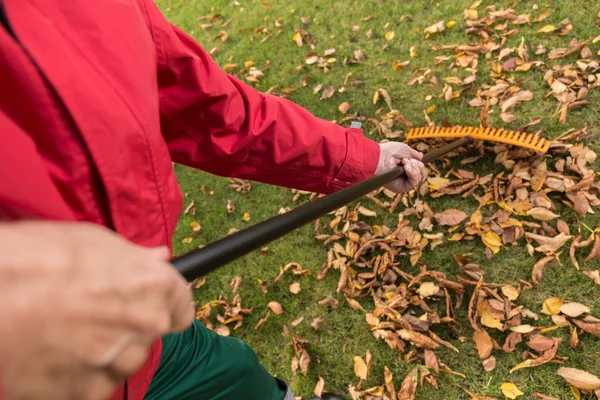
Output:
x,y
199,364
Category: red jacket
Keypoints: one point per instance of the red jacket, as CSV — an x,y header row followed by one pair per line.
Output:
x,y
98,97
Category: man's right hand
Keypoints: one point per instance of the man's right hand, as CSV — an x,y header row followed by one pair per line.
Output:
x,y
80,308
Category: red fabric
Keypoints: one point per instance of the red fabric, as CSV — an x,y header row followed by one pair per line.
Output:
x,y
97,98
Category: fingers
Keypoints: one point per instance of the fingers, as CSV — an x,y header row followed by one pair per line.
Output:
x,y
412,172
415,154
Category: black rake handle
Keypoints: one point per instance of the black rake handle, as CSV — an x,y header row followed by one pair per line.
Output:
x,y
216,254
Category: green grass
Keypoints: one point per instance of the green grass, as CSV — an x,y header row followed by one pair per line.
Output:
x,y
344,333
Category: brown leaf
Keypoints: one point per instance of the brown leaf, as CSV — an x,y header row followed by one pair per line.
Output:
x,y
262,320
389,382
222,330
545,357
330,302
593,275
549,244
593,329
542,214
304,361
418,339
230,206
297,321
409,386
483,343
431,361
540,343
235,283
319,388
316,324
344,107
327,93
580,379
595,253
450,217
275,307
538,269
574,310
295,288
511,342
543,397
489,364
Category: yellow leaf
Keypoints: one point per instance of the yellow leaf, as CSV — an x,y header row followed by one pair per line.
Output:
x,y
412,51
547,29
510,390
246,217
471,14
389,35
249,64
476,4
195,226
428,289
552,306
360,368
430,109
450,24
492,240
510,292
490,321
187,240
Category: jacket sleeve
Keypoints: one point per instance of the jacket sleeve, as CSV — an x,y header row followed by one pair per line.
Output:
x,y
214,122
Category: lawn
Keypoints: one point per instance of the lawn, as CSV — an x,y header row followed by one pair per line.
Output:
x,y
263,32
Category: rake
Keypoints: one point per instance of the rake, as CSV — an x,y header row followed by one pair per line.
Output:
x,y
514,138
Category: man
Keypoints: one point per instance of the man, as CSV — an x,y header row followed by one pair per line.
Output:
x,y
97,99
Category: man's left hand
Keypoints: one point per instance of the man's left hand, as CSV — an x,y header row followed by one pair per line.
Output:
x,y
391,155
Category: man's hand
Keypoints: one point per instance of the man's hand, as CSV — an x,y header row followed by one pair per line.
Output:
x,y
393,154
80,308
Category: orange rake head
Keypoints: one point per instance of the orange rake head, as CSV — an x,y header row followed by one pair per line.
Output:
x,y
521,139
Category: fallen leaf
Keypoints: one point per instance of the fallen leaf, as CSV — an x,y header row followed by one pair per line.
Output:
x,y
574,310
366,212
593,275
222,330
235,284
319,388
510,292
483,343
360,368
540,343
389,35
545,357
510,390
246,217
431,361
409,385
450,217
344,107
552,306
489,364
329,301
275,307
327,92
428,289
542,214
547,29
230,206
580,379
538,269
316,323
262,321
304,361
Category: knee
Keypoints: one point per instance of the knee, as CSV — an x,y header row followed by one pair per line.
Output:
x,y
246,362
